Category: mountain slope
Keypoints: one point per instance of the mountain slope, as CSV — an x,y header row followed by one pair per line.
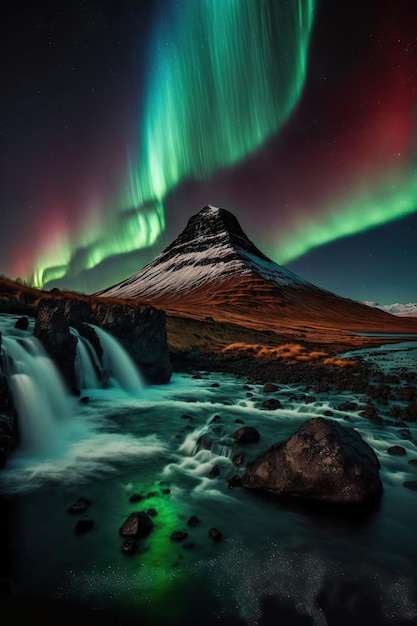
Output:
x,y
213,271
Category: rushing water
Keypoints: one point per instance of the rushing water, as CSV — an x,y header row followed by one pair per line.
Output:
x,y
274,560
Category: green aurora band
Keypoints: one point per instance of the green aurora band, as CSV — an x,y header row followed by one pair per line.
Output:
x,y
225,77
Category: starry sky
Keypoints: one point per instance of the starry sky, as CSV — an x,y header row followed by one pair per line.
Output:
x,y
119,119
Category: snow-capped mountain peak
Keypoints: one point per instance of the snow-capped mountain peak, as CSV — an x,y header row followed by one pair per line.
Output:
x,y
212,247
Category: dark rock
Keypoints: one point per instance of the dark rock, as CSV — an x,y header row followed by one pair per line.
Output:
x,y
52,329
166,491
215,535
235,481
135,497
246,434
22,323
84,400
271,404
193,521
83,525
270,388
215,419
138,524
214,385
411,484
130,546
309,399
238,459
412,462
328,413
347,406
152,494
397,451
80,506
214,472
152,512
178,535
186,417
323,461
239,421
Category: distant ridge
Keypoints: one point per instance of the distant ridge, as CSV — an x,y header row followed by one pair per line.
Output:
x,y
402,310
213,271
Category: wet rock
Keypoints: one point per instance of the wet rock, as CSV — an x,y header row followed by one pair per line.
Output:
x,y
152,512
215,535
152,494
309,399
328,413
239,421
270,388
22,323
238,459
138,524
246,434
135,497
234,481
411,484
84,525
193,521
80,506
323,462
397,451
130,546
178,535
166,491
215,419
84,400
214,472
271,404
186,417
214,385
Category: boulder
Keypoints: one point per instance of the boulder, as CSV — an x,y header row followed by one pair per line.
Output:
x,y
246,434
138,524
323,462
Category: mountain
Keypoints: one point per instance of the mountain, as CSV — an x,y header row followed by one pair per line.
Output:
x,y
212,272
402,310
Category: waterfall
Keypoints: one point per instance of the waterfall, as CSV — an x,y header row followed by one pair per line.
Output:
x,y
117,364
115,368
39,394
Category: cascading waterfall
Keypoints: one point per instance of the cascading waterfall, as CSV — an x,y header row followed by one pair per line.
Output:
x,y
43,404
117,364
39,394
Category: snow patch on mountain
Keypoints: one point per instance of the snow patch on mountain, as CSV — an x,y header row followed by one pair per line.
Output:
x,y
401,310
212,247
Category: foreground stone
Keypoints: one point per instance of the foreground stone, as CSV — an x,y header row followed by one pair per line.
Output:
x,y
323,461
138,524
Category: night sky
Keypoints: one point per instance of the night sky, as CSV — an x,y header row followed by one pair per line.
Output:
x,y
121,119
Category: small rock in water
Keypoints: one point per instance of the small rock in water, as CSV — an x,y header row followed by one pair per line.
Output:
x,y
270,388
215,535
214,385
271,404
411,484
397,451
238,459
216,418
166,491
152,494
80,506
235,481
22,323
178,535
84,400
129,547
186,417
138,524
246,434
152,512
193,520
135,497
239,421
214,472
83,525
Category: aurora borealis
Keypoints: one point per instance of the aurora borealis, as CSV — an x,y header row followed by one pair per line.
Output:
x,y
121,121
